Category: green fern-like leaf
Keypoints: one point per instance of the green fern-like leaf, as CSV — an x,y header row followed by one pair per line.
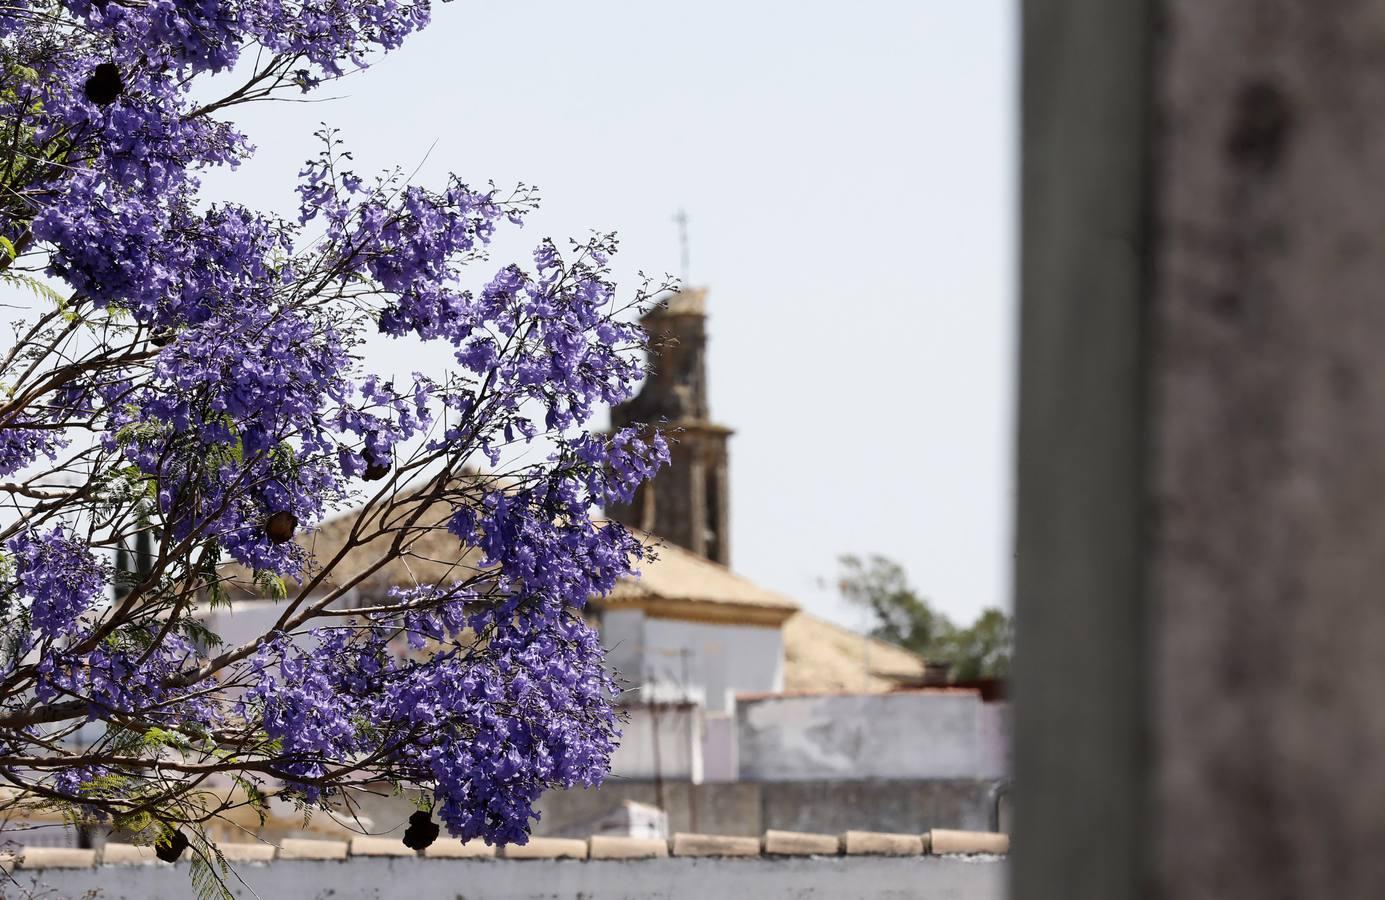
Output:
x,y
123,741
158,738
217,597
271,585
207,883
209,869
200,634
257,800
137,824
32,285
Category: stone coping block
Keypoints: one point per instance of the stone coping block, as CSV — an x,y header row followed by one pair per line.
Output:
x,y
605,846
546,848
685,844
247,851
451,848
943,841
305,848
801,843
119,854
56,858
880,843
116,854
367,845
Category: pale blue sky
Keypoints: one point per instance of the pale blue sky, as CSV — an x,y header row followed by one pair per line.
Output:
x,y
849,171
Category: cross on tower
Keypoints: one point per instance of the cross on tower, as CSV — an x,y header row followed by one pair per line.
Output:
x,y
681,218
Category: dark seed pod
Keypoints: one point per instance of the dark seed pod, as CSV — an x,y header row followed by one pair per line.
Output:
x,y
280,526
422,831
170,848
104,85
375,468
162,337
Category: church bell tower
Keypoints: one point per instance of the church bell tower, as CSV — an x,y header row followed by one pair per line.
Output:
x,y
686,503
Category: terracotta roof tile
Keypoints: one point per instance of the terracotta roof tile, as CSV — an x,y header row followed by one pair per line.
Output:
x,y
678,574
823,658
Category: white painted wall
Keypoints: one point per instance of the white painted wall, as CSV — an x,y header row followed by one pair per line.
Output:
x,y
903,735
993,733
725,660
622,634
243,621
720,755
676,661
678,754
824,878
246,620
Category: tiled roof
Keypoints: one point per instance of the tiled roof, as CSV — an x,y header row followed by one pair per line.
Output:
x,y
819,657
433,556
680,579
675,580
823,658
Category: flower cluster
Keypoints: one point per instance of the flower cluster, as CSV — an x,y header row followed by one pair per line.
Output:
x,y
246,397
20,446
130,675
209,37
57,577
490,729
621,463
214,352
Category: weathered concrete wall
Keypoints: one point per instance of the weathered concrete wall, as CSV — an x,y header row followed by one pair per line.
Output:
x,y
995,740
1267,550
672,879
904,735
732,808
1202,460
1080,653
900,806
749,808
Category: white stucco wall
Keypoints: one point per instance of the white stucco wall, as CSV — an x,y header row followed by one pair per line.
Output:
x,y
247,620
720,755
678,754
904,735
622,634
725,659
823,878
244,621
993,734
674,660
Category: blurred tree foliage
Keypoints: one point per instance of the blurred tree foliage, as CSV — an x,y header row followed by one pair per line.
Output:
x,y
904,617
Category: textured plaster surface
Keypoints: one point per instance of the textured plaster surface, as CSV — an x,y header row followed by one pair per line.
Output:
x,y
673,879
1268,520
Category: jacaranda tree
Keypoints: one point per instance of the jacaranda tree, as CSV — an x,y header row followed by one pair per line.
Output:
x,y
184,394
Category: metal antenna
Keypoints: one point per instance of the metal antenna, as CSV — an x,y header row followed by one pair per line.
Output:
x,y
681,217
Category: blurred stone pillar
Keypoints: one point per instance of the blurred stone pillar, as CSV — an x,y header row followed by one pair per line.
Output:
x,y
1200,681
